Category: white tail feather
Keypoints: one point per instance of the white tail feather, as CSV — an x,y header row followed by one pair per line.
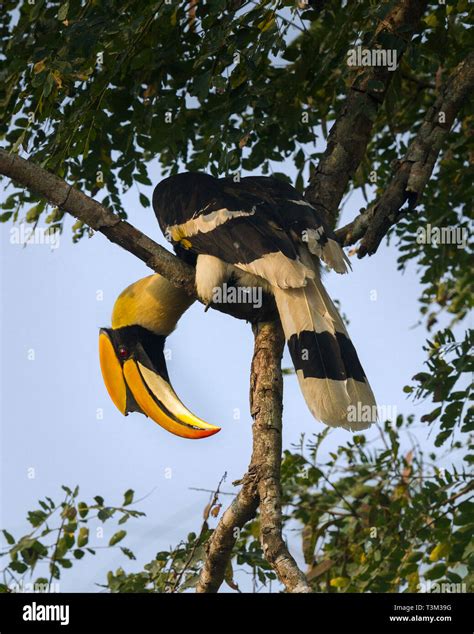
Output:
x,y
336,403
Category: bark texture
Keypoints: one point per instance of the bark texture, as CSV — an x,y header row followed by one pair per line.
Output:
x,y
266,394
347,142
415,170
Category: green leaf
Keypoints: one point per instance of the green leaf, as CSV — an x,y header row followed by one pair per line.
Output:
x,y
220,83
10,539
190,581
339,582
127,552
18,142
65,563
83,509
62,13
83,536
36,518
142,178
115,539
429,418
238,76
144,200
201,85
436,572
267,22
41,584
105,514
128,497
439,552
48,85
70,527
18,566
431,20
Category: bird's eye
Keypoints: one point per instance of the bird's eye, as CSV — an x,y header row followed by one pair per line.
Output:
x,y
123,352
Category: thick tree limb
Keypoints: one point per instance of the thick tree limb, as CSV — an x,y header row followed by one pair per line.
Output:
x,y
59,193
351,133
266,394
261,483
416,168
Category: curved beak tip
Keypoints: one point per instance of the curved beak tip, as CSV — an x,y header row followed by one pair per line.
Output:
x,y
157,399
132,384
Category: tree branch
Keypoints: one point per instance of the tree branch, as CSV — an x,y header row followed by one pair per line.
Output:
x,y
261,483
351,133
266,395
59,193
416,168
219,548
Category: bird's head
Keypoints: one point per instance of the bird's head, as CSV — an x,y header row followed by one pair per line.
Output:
x,y
132,357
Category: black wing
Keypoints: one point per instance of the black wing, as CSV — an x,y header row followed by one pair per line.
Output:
x,y
241,221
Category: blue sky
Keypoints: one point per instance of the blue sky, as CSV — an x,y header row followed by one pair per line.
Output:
x,y
51,303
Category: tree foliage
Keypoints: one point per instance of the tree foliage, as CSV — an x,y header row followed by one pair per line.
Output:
x,y
369,518
61,535
110,86
96,92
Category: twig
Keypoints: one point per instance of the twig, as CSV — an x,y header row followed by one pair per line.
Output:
x,y
211,491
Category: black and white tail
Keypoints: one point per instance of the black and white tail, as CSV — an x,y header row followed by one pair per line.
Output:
x,y
331,377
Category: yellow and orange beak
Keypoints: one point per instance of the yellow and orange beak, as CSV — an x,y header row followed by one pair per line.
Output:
x,y
134,371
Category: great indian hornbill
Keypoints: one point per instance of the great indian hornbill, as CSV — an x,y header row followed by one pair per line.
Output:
x,y
254,232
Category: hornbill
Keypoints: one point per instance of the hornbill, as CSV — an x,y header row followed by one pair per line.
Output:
x,y
255,232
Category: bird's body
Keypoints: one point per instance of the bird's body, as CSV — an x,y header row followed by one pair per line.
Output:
x,y
259,231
